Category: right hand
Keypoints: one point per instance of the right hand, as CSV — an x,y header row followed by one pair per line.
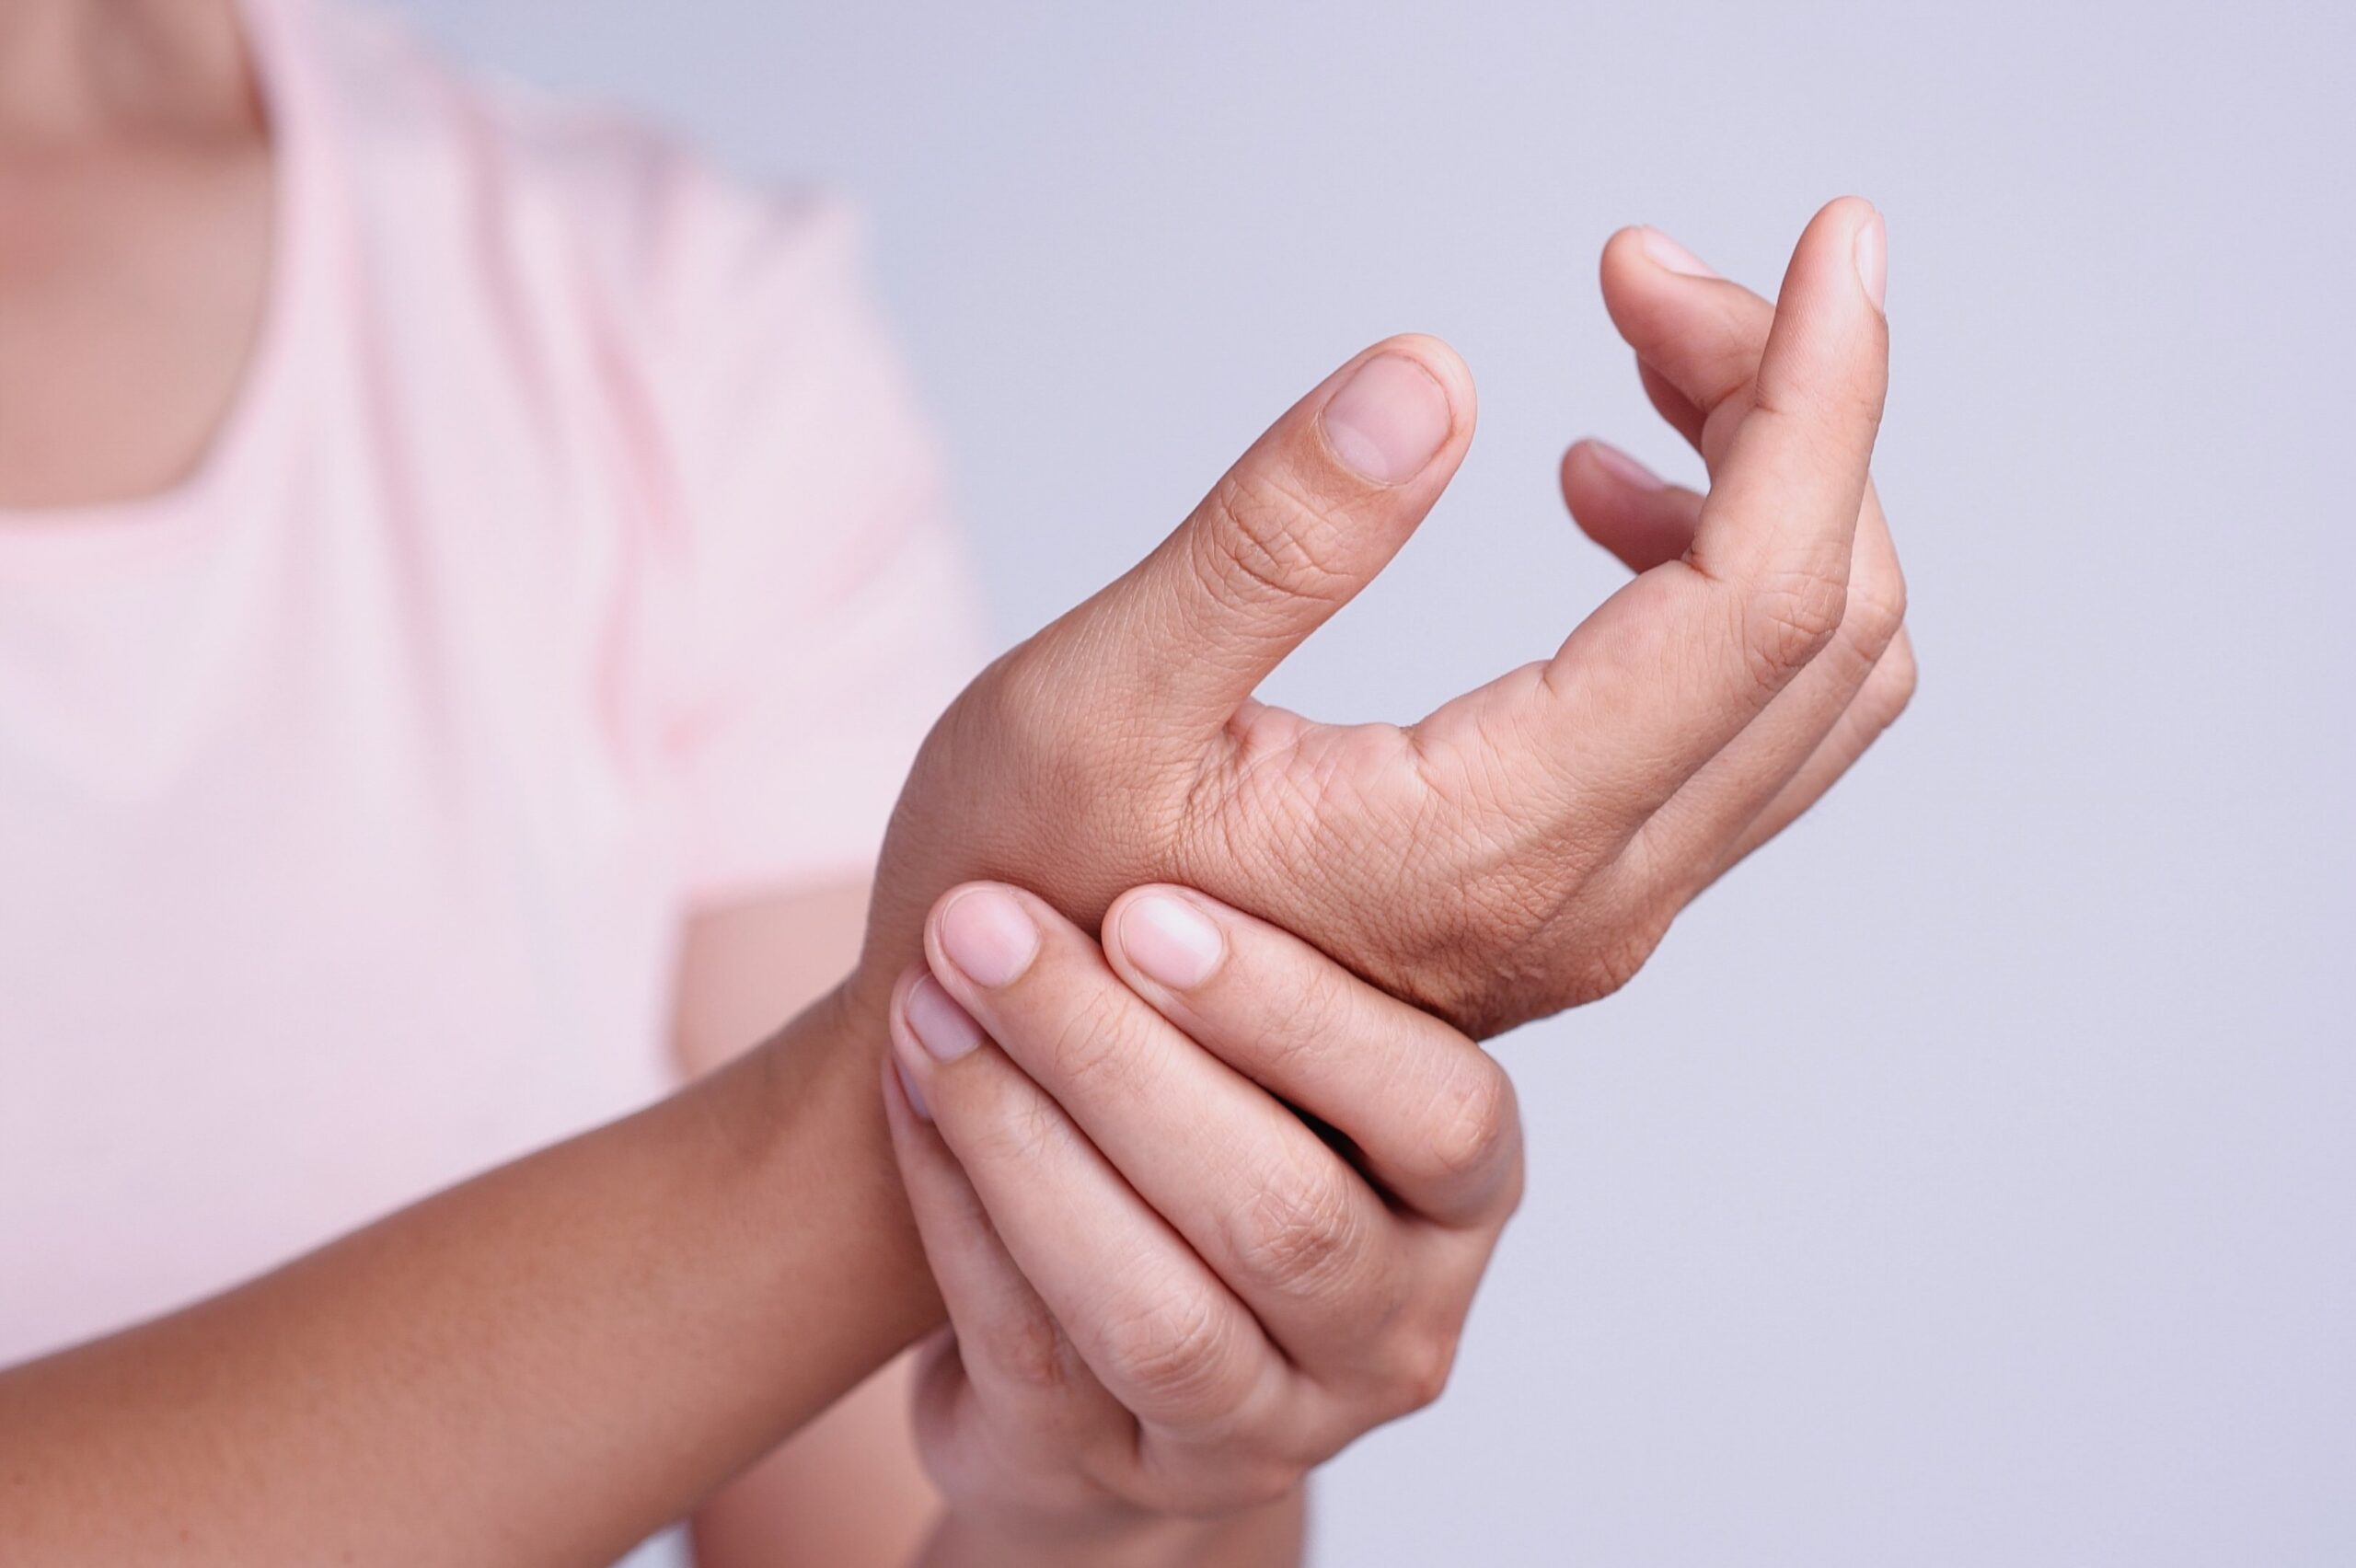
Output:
x,y
1523,848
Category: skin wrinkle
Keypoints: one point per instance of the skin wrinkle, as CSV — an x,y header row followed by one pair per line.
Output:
x,y
1270,541
1329,851
1497,906
1512,919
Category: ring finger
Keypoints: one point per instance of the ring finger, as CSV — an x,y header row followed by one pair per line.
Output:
x,y
1159,1330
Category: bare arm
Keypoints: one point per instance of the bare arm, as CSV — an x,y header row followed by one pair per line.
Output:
x,y
849,1488
550,1361
541,1365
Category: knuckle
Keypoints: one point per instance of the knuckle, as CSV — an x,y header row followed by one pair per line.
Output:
x,y
1875,612
1268,541
1420,1367
1608,968
1030,1353
1089,1046
1292,1030
1216,1485
1891,686
1018,1138
1264,1484
1474,1121
1298,1234
1176,1353
1788,621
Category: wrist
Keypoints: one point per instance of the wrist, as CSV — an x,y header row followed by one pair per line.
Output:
x,y
814,1178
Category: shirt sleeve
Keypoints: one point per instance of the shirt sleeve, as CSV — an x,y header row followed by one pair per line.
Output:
x,y
823,613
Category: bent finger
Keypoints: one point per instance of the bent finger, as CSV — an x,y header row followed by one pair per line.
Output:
x,y
1876,707
1160,1331
1009,1349
1432,1115
1282,1219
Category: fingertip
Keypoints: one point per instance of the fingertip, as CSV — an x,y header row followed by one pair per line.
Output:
x,y
1673,308
1166,936
904,1103
1847,229
1591,463
985,933
1624,248
1626,507
896,1010
1849,211
1671,257
1828,350
1871,249
906,1058
1438,359
1397,411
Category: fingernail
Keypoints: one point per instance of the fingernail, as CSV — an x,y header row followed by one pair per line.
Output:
x,y
1626,469
988,935
1174,942
945,1029
915,1095
1873,258
1389,420
1665,252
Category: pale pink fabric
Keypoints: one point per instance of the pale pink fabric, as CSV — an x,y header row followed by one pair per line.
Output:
x,y
572,557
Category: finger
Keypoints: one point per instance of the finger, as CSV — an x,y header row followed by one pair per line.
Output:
x,y
1782,514
1670,404
1431,1114
1643,521
1698,337
1162,1334
1876,707
1011,1352
1304,520
1278,1216
1704,341
1698,340
1671,668
1626,507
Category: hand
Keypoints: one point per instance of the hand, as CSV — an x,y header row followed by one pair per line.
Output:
x,y
1524,848
1167,1295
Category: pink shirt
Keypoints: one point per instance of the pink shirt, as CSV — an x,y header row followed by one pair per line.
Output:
x,y
572,556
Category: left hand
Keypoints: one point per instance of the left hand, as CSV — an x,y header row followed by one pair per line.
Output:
x,y
1168,1294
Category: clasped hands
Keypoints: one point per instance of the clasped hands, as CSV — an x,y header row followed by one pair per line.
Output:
x,y
1186,1097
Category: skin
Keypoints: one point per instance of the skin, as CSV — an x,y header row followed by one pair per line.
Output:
x,y
1524,848
134,234
1169,1298
566,1351
849,1487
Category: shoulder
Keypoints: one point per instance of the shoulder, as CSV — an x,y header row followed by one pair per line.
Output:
x,y
580,195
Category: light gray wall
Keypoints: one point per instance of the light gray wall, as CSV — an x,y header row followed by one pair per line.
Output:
x,y
1969,1179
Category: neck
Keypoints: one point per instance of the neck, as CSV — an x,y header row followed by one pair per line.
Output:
x,y
80,70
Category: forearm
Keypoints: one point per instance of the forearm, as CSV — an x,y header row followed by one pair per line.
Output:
x,y
1269,1537
541,1365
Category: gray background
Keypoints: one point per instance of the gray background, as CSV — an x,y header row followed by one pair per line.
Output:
x,y
1969,1180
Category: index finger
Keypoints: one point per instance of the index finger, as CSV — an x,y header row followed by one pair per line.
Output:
x,y
1429,1113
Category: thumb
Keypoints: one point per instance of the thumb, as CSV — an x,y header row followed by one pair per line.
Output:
x,y
1288,536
